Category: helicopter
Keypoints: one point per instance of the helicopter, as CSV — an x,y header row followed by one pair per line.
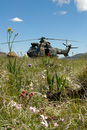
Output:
x,y
44,48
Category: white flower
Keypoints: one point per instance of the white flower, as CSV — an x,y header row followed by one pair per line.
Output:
x,y
43,117
12,104
33,109
18,106
44,96
76,86
61,119
56,125
31,84
44,123
68,78
43,77
31,88
60,65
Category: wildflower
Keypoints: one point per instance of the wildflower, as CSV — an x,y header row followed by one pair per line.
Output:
x,y
44,96
31,84
44,123
12,104
76,86
25,55
9,29
43,77
43,117
31,94
18,106
44,70
68,78
31,88
4,101
56,125
26,94
33,109
23,91
61,119
29,65
22,95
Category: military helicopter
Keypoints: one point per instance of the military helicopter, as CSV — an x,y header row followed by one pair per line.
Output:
x,y
44,48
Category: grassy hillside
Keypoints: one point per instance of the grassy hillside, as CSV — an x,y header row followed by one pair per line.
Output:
x,y
43,94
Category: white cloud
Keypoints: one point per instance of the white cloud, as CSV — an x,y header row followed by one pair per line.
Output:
x,y
63,12
81,5
60,13
60,2
16,19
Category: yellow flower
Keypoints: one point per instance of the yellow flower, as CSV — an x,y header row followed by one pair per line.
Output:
x,y
12,31
9,29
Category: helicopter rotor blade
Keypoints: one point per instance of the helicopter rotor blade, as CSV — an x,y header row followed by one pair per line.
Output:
x,y
21,41
66,40
47,39
74,47
56,39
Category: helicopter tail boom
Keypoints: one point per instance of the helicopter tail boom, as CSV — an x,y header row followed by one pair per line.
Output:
x,y
62,51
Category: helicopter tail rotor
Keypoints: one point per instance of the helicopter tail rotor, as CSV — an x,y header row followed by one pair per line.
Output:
x,y
70,45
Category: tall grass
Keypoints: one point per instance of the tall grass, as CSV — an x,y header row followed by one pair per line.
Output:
x,y
16,76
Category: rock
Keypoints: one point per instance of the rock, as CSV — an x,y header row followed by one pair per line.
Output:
x,y
12,54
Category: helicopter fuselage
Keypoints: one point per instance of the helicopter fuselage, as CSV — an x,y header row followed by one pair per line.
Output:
x,y
39,50
45,49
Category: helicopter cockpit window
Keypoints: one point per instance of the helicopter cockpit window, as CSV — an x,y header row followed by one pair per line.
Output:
x,y
34,46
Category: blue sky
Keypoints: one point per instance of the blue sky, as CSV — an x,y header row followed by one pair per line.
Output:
x,y
32,19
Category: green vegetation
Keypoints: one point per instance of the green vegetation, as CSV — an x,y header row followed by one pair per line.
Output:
x,y
58,89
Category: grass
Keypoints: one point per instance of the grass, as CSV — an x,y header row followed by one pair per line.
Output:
x,y
68,112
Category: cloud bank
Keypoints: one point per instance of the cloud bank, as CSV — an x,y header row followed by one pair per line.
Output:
x,y
81,5
16,19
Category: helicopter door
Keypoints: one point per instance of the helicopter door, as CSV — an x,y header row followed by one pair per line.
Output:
x,y
46,52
